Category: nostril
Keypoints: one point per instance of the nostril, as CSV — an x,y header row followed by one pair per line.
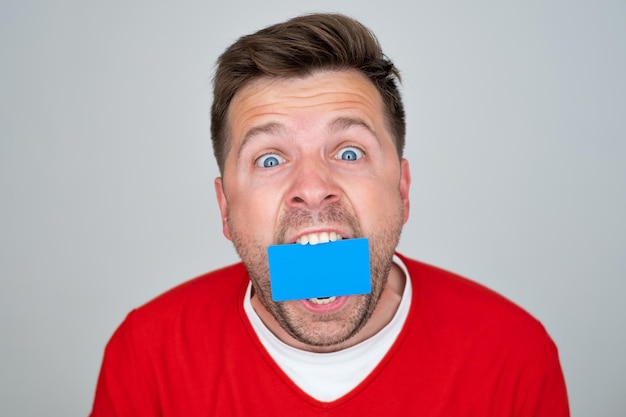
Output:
x,y
300,200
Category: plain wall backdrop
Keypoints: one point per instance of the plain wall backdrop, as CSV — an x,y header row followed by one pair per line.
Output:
x,y
516,138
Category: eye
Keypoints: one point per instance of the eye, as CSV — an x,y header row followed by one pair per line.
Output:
x,y
350,153
269,160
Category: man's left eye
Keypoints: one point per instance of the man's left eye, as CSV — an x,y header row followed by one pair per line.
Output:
x,y
349,153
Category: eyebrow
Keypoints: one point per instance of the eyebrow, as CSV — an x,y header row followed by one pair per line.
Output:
x,y
276,129
345,123
271,128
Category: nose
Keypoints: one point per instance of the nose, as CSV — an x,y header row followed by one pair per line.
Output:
x,y
313,186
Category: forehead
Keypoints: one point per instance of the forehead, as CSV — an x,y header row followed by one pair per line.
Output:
x,y
320,95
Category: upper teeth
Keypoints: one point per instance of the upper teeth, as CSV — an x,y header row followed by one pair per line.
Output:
x,y
315,238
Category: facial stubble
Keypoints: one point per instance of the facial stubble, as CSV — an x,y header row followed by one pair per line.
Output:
x,y
321,330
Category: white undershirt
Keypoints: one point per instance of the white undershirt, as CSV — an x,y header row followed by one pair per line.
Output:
x,y
329,376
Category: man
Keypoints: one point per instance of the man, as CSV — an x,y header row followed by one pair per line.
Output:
x,y
308,132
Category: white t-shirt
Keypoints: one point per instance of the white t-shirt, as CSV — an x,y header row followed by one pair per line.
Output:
x,y
329,376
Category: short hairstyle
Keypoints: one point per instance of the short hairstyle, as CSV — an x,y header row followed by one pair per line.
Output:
x,y
297,48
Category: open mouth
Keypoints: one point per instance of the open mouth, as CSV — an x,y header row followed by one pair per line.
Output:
x,y
322,269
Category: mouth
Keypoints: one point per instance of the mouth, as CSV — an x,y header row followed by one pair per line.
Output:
x,y
325,305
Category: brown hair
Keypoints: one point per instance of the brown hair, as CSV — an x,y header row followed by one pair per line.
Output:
x,y
298,47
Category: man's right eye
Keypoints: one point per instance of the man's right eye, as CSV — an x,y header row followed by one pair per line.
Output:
x,y
269,160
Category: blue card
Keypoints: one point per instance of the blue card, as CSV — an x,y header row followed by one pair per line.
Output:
x,y
336,268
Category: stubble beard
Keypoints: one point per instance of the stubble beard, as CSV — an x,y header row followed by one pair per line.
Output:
x,y
321,331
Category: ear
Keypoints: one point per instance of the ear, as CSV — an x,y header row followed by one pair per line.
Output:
x,y
221,201
405,184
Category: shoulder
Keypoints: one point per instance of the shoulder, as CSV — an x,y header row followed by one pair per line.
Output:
x,y
205,300
468,306
470,333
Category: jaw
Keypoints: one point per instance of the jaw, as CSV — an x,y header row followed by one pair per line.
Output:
x,y
324,327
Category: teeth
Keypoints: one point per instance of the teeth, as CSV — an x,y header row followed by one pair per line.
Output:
x,y
315,238
322,301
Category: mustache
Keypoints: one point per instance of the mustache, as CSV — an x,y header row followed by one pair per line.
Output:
x,y
334,214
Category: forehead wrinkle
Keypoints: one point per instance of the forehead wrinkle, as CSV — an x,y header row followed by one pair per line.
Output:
x,y
280,96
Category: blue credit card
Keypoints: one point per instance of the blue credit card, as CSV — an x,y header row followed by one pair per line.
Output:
x,y
328,269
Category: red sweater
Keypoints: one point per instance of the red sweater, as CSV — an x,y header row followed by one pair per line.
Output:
x,y
463,351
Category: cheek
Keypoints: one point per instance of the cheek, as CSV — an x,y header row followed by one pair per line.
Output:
x,y
378,186
254,210
375,199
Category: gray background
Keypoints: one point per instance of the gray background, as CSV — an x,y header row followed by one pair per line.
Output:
x,y
516,138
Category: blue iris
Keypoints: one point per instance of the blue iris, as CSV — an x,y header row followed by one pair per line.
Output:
x,y
350,154
270,161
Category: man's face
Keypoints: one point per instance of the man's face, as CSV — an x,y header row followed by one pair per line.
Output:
x,y
312,159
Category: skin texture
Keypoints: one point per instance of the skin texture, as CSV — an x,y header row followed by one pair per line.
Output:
x,y
310,155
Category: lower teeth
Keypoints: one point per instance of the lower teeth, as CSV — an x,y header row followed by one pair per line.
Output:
x,y
324,300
